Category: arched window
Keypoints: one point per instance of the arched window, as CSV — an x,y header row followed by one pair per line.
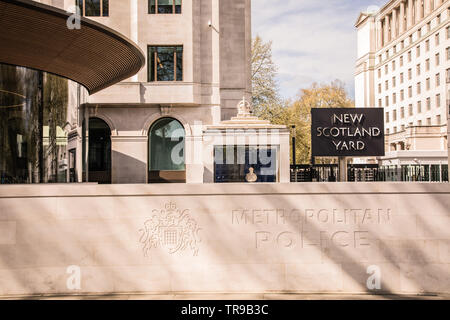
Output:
x,y
166,152
99,151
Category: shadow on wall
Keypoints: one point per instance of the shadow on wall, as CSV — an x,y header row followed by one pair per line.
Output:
x,y
410,247
127,169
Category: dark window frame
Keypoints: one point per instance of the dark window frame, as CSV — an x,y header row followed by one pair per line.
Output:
x,y
104,4
154,7
152,69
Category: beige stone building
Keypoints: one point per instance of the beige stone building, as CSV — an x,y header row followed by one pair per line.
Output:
x,y
197,71
403,66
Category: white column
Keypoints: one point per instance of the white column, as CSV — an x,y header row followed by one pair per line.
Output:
x,y
386,30
379,35
394,24
402,15
426,7
410,14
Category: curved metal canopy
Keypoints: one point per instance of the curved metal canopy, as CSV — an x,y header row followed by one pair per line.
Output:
x,y
36,36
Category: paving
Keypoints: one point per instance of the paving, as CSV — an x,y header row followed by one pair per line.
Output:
x,y
225,296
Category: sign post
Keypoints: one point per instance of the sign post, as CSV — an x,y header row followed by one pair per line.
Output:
x,y
347,132
343,169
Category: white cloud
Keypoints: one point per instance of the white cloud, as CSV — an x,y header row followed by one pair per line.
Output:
x,y
313,41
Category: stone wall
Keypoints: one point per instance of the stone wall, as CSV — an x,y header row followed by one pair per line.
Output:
x,y
224,238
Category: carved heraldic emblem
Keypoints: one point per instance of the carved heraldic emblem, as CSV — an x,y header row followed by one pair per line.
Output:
x,y
172,229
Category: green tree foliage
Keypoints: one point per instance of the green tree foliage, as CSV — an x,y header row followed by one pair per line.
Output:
x,y
265,88
268,105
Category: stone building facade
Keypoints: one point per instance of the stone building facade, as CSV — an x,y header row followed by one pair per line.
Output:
x,y
198,70
403,66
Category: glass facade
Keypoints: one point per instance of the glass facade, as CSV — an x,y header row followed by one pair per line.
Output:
x,y
34,125
237,163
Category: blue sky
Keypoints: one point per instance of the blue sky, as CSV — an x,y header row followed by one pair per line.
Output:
x,y
313,40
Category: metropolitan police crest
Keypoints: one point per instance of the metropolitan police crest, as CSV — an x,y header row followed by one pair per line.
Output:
x,y
172,229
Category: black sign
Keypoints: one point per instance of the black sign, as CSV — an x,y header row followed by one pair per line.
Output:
x,y
347,132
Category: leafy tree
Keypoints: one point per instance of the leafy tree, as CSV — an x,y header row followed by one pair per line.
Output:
x,y
298,113
265,88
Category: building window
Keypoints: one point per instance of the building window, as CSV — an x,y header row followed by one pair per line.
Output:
x,y
419,106
402,95
438,119
166,161
386,69
401,77
379,88
409,92
402,112
448,53
401,61
394,98
409,74
410,110
418,51
448,32
387,117
436,38
402,127
379,73
393,65
409,56
418,88
428,81
394,82
427,45
428,103
418,69
438,100
386,85
164,6
387,101
428,26
448,76
165,63
438,79
379,103
437,59
438,19
93,8
428,121
394,115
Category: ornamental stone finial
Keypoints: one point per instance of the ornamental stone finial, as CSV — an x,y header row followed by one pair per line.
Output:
x,y
244,108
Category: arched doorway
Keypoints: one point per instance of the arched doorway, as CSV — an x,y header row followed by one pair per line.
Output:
x,y
99,157
166,145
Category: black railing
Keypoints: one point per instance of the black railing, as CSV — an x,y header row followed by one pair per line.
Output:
x,y
370,173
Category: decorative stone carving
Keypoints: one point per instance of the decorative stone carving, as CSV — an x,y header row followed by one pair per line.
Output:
x,y
172,229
